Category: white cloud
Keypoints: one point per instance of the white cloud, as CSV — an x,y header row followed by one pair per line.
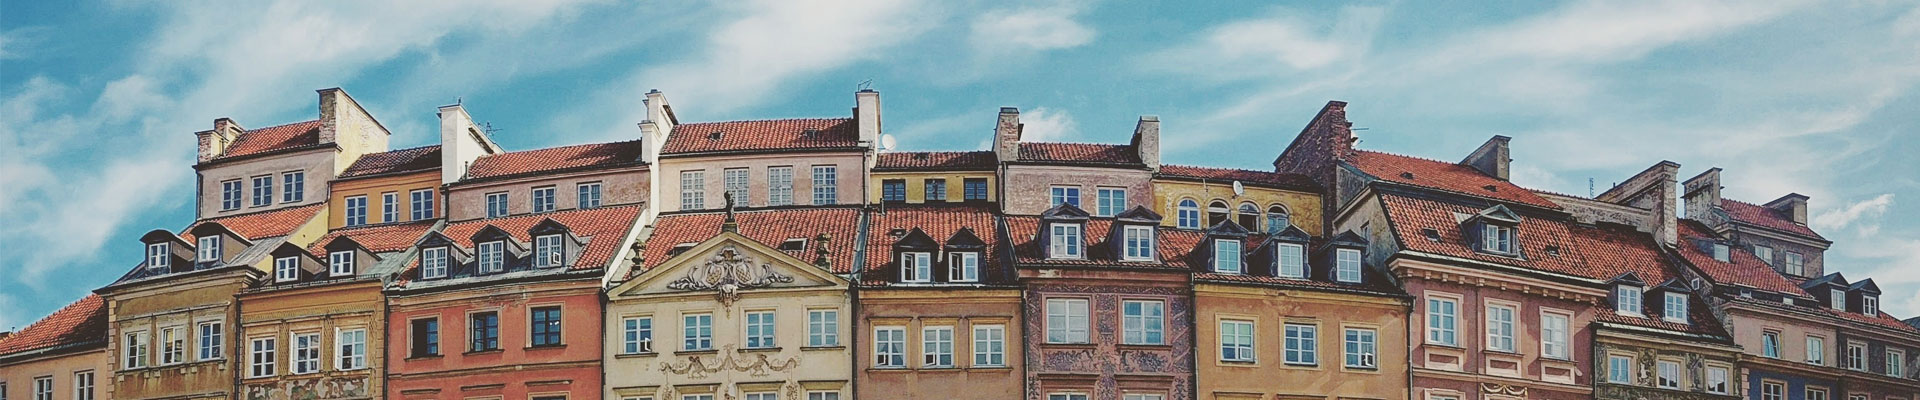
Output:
x,y
1277,45
1840,218
1048,125
1040,28
1610,31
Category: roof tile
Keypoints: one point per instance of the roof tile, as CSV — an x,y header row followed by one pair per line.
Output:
x,y
1250,177
377,238
778,134
1744,270
403,160
1078,153
769,227
80,322
556,158
939,222
937,160
264,224
1766,217
1444,176
1024,231
298,134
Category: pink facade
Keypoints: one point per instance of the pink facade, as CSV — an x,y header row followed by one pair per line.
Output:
x,y
467,201
1036,183
517,370
1470,367
850,180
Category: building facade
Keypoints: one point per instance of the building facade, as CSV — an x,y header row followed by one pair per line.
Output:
x,y
939,305
934,177
60,357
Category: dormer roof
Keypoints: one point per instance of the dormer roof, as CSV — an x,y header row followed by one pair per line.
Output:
x,y
1138,215
1498,213
1629,278
1294,234
1865,286
1835,280
1064,212
916,239
962,227
215,228
604,231
1348,239
1227,228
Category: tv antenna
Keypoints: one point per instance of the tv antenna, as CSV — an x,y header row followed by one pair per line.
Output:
x,y
864,85
489,129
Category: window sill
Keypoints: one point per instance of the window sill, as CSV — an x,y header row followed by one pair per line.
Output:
x,y
760,350
423,357
889,369
1071,345
637,355
1300,365
482,352
1240,363
696,352
948,368
1145,346
822,348
990,368
546,346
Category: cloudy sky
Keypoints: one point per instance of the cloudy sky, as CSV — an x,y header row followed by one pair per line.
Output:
x,y
99,100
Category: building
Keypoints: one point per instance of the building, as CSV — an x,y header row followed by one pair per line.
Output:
x,y
1262,202
244,171
1102,179
934,177
60,357
501,184
939,305
752,305
766,163
387,188
505,307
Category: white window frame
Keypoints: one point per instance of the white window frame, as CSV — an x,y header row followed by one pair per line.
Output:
x,y
1764,253
136,350
963,266
1361,348
1870,305
1796,264
173,345
780,185
1778,390
1062,194
1067,396
83,383
497,205
823,395
232,195
889,346
636,335
1856,356
1668,374
1227,257
1718,379
420,204
1896,363
587,195
1556,339
737,181
823,328
355,211
340,263
1187,214
306,353
1067,320
293,186
1293,260
916,267
1722,252
43,388
1347,265
1817,393
159,255
825,185
989,346
1628,300
1675,309
545,199
262,360
1816,350
696,331
1237,338
1107,205
211,340
286,269
209,248
490,257
1620,369
1838,298
693,189
1770,344
1138,240
1447,335
1301,344
350,349
1497,239
1067,241
759,326
1142,327
1500,331
936,346
263,190
389,206
433,262
549,251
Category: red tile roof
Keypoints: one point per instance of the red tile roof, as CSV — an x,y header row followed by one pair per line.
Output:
x,y
526,162
604,228
1443,176
939,222
1249,177
1744,270
1078,153
403,160
1024,231
1766,217
298,134
81,322
937,160
769,227
1881,319
778,134
264,224
377,238
1411,215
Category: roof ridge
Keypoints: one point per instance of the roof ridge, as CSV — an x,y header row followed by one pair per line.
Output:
x,y
281,125
771,120
1388,153
252,213
562,147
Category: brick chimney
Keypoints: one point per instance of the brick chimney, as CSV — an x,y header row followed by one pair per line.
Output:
x,y
658,125
1703,196
1317,152
1491,158
1006,135
866,113
1146,140
1652,190
460,143
214,142
1793,205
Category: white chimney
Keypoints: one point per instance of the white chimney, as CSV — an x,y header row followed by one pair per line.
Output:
x,y
867,113
460,143
659,123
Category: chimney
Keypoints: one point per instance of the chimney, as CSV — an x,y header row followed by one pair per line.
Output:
x,y
659,123
1006,135
1793,205
867,114
214,142
346,124
1146,140
1652,190
1491,158
1703,196
460,143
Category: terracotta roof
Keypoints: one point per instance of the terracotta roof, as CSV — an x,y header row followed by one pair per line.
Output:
x,y
937,160
1744,270
1078,153
769,227
1412,215
1700,322
604,228
403,160
298,134
939,222
81,322
264,224
556,158
1766,217
777,134
1024,232
377,238
1443,176
1882,320
1249,177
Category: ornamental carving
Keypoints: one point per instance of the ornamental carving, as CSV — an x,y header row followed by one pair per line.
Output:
x,y
1499,389
758,366
726,272
304,389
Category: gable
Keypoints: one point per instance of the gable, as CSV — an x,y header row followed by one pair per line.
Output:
x,y
728,264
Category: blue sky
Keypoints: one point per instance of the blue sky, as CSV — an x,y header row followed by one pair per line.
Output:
x,y
99,100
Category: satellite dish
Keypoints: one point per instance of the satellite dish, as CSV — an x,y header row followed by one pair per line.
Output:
x,y
1238,190
887,142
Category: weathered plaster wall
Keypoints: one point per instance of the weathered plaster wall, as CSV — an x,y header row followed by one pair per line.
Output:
x,y
959,308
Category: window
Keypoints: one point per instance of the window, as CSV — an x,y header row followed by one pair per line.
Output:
x,y
936,347
262,357
356,213
1497,239
587,195
1302,344
1143,396
496,205
735,180
693,190
173,346
549,251
697,332
823,185
1500,328
433,262
696,397
976,189
1066,241
1065,195
1870,305
295,186
823,328
1139,243
916,267
1722,253
1796,265
1553,336
1772,391
1111,201
894,190
936,190
758,396
389,207
546,326
230,195
1669,377
989,345
426,337
306,353
82,385
1347,265
340,263
262,190
1361,348
1066,320
157,256
760,330
1441,315
889,347
1627,299
1143,322
1839,299
1249,217
1896,363
483,331
963,266
286,269
1188,214
490,256
1619,369
43,388
1857,356
779,186
1067,396
1278,219
542,199
1292,260
353,349
1717,380
1676,308
1226,256
638,332
1216,212
1236,341
211,341
811,396
1770,344
422,203
1816,394
1764,253
1816,350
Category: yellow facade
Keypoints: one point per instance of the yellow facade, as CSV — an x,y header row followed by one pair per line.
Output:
x,y
917,188
333,311
375,189
1302,207
1332,314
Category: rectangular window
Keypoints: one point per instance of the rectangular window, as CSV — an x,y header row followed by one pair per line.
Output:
x,y
1764,253
352,345
1669,377
1143,322
491,256
810,396
697,332
433,262
757,396
1066,195
1896,363
1839,299
340,263
1362,348
262,357
760,330
963,266
976,189
735,180
230,195
483,331
823,328
1870,305
549,251
295,186
989,345
422,202
82,385
889,347
389,207
638,335
43,388
1722,252
1796,265
1143,396
1717,380
936,189
916,267
1292,260
1627,299
1066,320
1347,265
824,178
1065,242
693,190
1500,328
1554,336
1112,201
780,186
496,205
587,195
1816,394
696,397
1770,344
286,269
893,190
173,346
1497,239
1139,243
1619,369
936,347
211,341
306,353
1302,344
543,199
158,256
1441,317
1816,350
356,211
1226,256
1857,356
1772,391
426,337
546,326
262,190
1236,341
1067,396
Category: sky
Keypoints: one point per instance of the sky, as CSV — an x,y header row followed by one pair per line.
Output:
x,y
99,99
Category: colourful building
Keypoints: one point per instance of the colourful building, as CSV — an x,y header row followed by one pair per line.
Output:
x,y
765,163
387,188
60,357
934,177
243,171
939,305
1262,202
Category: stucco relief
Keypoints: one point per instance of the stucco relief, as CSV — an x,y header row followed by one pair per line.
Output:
x,y
1105,355
310,389
758,365
726,272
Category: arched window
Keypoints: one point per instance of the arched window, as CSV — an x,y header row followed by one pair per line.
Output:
x,y
1189,214
1278,219
1217,212
1250,217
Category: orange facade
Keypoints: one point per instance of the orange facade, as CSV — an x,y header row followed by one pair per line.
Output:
x,y
514,369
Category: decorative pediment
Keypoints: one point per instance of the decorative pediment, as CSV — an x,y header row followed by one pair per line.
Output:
x,y
215,228
727,265
1227,228
727,271
1498,214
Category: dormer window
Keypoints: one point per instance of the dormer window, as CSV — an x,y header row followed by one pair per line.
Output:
x,y
1497,239
1226,256
491,256
1720,252
340,263
963,266
433,263
1839,300
157,256
1065,241
1139,243
916,267
1870,305
1347,265
209,248
1676,310
1293,258
1627,299
548,251
286,269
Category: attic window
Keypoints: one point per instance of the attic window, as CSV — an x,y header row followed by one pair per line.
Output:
x,y
794,244
922,156
1406,175
1720,252
714,136
897,233
809,132
1491,188
1553,251
1432,234
1497,239
679,248
157,256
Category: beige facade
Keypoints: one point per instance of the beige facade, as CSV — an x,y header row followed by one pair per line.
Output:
x,y
916,185
849,187
1302,209
329,316
1268,309
317,167
619,186
150,320
70,376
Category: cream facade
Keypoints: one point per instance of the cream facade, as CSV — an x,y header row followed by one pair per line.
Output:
x,y
849,179
467,200
345,132
70,376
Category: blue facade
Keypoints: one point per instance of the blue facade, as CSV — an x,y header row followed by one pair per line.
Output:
x,y
1795,385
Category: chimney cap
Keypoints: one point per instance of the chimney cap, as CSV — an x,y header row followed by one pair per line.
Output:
x,y
1009,110
653,91
868,90
1154,118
